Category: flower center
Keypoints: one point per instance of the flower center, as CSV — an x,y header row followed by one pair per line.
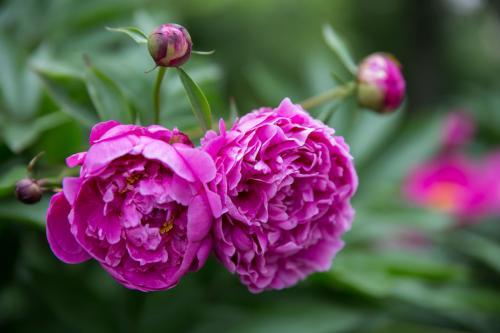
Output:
x,y
444,196
167,226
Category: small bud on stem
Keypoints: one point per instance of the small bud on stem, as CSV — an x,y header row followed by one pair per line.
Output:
x,y
381,85
28,191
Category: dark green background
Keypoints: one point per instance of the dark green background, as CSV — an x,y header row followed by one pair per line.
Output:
x,y
265,50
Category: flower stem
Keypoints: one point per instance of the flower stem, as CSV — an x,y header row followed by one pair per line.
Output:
x,y
338,92
156,94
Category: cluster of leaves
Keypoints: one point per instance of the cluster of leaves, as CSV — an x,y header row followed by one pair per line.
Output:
x,y
380,282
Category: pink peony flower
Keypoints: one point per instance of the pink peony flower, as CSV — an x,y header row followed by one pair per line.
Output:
x,y
381,85
452,184
458,130
286,181
140,207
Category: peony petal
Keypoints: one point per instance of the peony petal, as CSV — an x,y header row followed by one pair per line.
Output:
x,y
100,129
199,219
76,159
71,186
200,163
61,241
165,153
102,153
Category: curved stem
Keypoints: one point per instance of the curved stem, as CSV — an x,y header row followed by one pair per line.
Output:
x,y
338,92
156,94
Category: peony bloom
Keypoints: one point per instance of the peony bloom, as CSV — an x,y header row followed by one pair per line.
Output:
x,y
458,130
170,45
452,184
286,182
381,85
140,207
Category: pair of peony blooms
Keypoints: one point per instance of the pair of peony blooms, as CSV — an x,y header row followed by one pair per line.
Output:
x,y
271,198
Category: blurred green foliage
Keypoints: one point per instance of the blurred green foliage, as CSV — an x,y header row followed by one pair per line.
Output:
x,y
265,51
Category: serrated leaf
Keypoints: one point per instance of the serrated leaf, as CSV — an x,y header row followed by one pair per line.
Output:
x,y
198,100
68,90
335,43
108,99
133,32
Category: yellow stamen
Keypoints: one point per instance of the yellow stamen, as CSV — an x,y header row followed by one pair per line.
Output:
x,y
167,226
130,180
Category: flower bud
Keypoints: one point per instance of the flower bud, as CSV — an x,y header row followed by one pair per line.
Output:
x,y
28,191
170,45
381,85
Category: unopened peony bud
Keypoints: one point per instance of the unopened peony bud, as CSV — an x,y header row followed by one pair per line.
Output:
x,y
170,45
28,191
381,85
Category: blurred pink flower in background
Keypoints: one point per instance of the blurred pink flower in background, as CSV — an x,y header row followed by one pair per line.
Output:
x,y
454,183
458,130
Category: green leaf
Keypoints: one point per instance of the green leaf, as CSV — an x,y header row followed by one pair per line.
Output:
x,y
19,87
233,111
68,90
199,102
370,132
108,99
478,247
379,272
135,33
19,136
13,210
203,52
9,178
337,45
312,316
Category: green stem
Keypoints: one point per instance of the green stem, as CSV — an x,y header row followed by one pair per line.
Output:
x,y
156,94
56,181
338,92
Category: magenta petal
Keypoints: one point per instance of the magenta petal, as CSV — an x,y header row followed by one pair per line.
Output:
x,y
199,219
75,159
61,241
71,186
102,153
100,129
202,254
200,163
180,190
165,153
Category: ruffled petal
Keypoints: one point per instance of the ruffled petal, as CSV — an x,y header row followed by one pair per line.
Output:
x,y
61,241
